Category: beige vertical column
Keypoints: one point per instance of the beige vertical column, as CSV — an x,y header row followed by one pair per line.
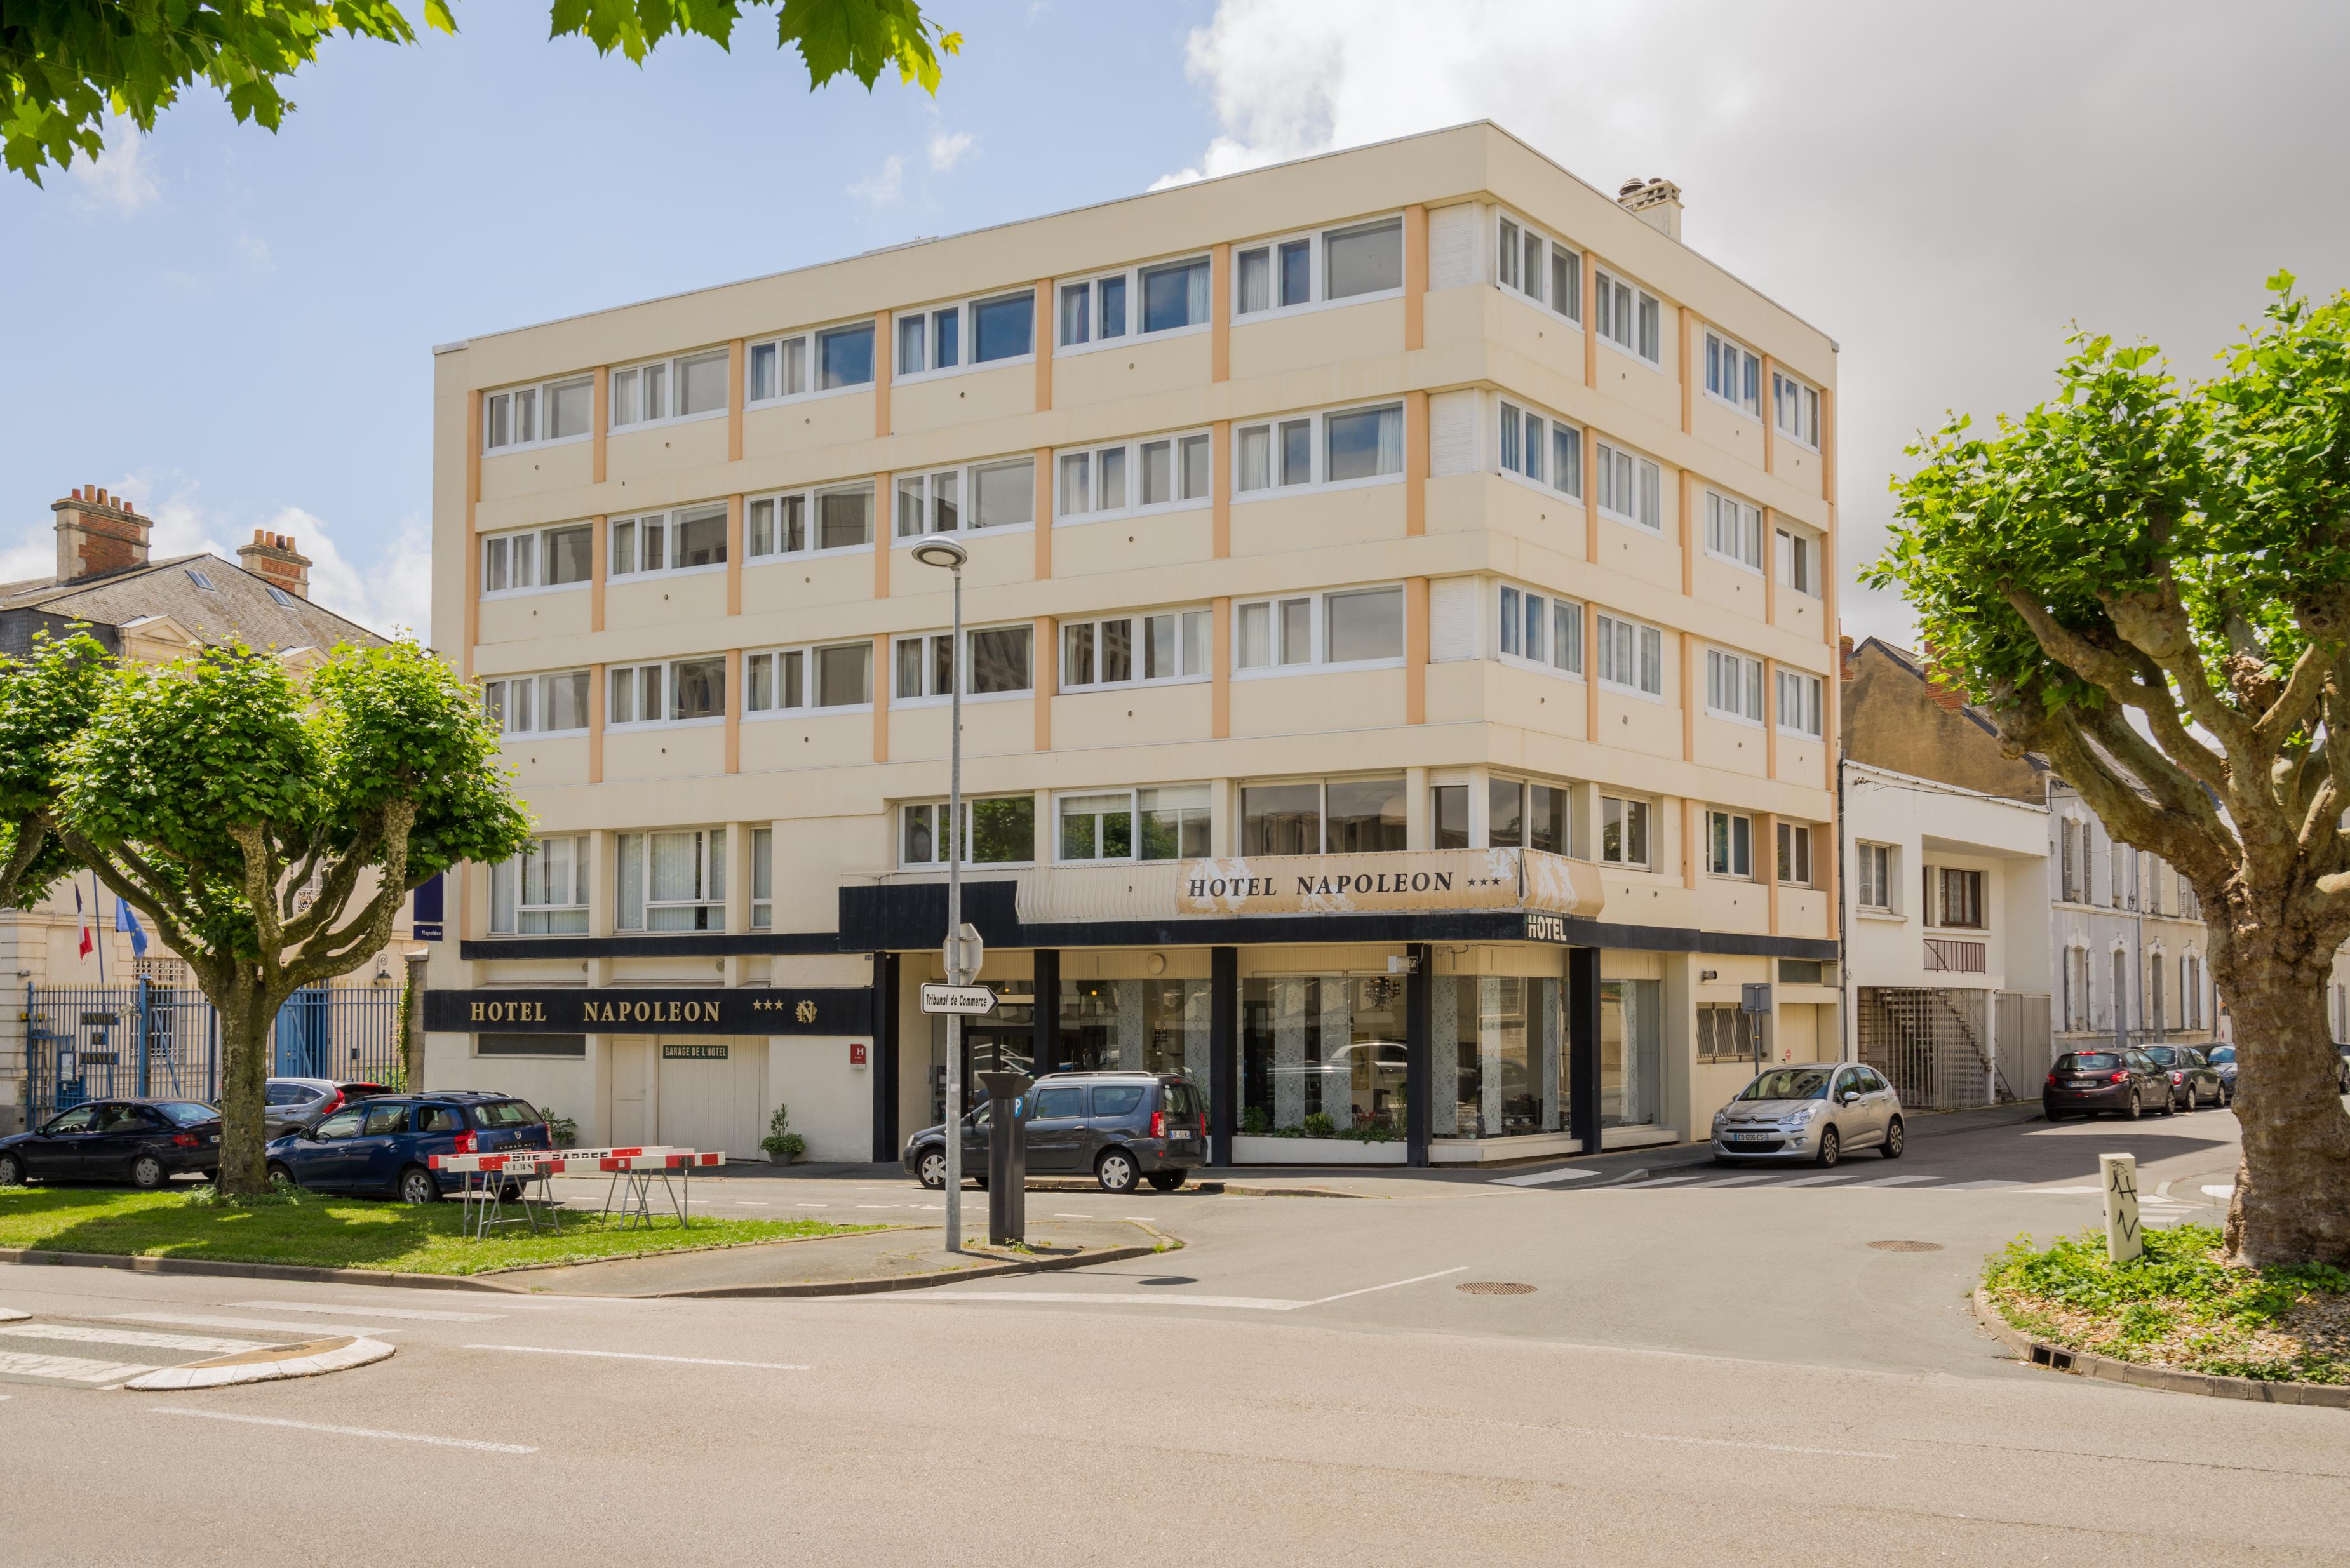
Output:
x,y
1693,841
1220,312
735,400
1415,463
1590,494
1766,856
733,709
1771,719
1770,566
1685,367
1415,650
599,423
734,554
1419,832
1688,697
473,626
1219,488
885,529
1590,320
596,723
1770,416
1415,277
1689,534
1590,670
880,696
884,359
1045,502
1045,668
1831,699
1048,333
598,554
1220,669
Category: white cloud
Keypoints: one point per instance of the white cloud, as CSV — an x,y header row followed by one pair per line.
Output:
x,y
1942,201
256,252
122,178
949,147
884,186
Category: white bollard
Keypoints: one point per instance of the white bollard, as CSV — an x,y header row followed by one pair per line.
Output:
x,y
2125,1242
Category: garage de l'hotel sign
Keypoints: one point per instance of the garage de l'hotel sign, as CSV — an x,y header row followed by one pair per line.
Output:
x,y
667,1010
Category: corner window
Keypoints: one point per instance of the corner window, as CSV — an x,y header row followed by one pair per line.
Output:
x,y
1521,814
1322,267
539,415
763,878
1543,449
1536,269
543,891
1631,488
791,680
1339,447
691,386
1130,649
1733,375
1795,409
1000,664
1622,831
1733,531
690,538
1795,853
1798,697
1540,629
1733,686
1631,656
1164,297
1360,625
996,832
1629,317
1163,824
1318,816
1729,844
539,558
1797,561
673,881
799,521
554,704
681,692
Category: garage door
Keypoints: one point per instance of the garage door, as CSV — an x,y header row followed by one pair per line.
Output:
x,y
713,1094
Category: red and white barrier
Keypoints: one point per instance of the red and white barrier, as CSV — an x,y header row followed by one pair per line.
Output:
x,y
581,1161
661,1159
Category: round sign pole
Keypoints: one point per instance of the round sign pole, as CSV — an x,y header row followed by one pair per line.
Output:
x,y
941,551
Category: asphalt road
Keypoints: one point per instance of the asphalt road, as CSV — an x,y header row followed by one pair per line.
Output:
x,y
1708,1369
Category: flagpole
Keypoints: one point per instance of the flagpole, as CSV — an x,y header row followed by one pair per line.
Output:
x,y
98,909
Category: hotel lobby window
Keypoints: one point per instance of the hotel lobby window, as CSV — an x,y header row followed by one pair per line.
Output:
x,y
1341,816
1631,1071
1500,1041
1163,824
1321,1055
1136,1026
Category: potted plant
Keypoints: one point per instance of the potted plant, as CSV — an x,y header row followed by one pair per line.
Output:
x,y
561,1130
783,1145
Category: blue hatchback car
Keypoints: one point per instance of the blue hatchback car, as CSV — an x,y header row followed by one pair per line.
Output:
x,y
384,1145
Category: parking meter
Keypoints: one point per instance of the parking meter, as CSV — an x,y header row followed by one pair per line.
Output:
x,y
1007,1156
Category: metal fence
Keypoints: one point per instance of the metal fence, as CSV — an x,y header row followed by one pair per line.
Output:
x,y
89,1043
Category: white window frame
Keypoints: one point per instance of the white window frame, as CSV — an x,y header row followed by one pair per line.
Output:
x,y
1795,409
710,875
1317,282
626,381
937,808
1877,890
966,478
811,501
1731,527
1131,331
1511,236
1645,638
668,666
940,698
510,876
1319,633
1732,869
1134,815
965,312
1790,835
1732,679
775,668
1810,722
1195,633
1099,506
502,706
1318,460
1647,482
1721,348
642,524
1639,301
1788,547
1512,617
504,546
542,404
1521,429
1627,806
763,878
810,355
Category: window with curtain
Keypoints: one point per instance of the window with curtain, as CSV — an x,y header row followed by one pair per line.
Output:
x,y
1174,294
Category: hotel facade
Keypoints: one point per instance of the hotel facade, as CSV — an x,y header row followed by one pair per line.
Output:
x,y
1399,610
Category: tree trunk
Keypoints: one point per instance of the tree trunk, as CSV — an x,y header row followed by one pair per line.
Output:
x,y
244,1022
2291,1203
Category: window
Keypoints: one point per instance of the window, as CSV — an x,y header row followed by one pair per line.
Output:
x,y
1733,374
1728,1032
1540,630
829,518
543,891
1797,563
691,385
1133,476
528,416
1334,448
1543,449
673,881
1166,296
1359,626
1001,327
683,691
539,704
1163,824
1001,831
1001,495
763,878
1118,650
279,597
1631,656
1795,853
541,558
1874,863
778,369
682,541
1729,844
785,679
1536,269
200,580
1795,409
1335,817
1622,831
1799,704
1961,896
1733,686
1320,268
844,356
999,664
1733,530
1448,816
1630,488
1524,816
1628,316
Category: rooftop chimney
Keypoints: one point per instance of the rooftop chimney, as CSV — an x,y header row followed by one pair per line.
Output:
x,y
273,558
97,535
1845,670
1656,202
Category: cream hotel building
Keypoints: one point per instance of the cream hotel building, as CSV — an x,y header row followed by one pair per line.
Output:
x,y
1401,592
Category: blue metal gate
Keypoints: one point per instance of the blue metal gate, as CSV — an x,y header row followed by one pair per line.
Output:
x,y
343,1032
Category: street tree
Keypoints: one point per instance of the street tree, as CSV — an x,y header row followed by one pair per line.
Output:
x,y
268,827
2147,581
65,64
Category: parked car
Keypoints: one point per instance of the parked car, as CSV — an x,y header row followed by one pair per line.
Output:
x,y
2124,1083
2223,1062
144,1142
293,1104
1122,1128
2193,1083
1815,1111
2342,1079
384,1145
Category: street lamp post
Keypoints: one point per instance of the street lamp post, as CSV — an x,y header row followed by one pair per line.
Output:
x,y
938,550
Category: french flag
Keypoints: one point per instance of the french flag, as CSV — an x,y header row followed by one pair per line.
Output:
x,y
83,915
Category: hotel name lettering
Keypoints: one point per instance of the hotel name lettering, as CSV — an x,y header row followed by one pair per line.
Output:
x,y
591,1010
746,1010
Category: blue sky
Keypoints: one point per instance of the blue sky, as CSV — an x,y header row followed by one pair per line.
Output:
x,y
235,328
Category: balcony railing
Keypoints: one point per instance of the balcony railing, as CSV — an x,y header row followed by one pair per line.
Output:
x,y
1944,956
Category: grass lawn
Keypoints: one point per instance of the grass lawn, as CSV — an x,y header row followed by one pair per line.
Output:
x,y
2180,1306
343,1232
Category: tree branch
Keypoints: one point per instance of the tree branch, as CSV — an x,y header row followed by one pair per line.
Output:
x,y
2124,673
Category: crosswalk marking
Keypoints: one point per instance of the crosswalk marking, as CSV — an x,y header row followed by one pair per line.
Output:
x,y
1895,1180
419,1314
78,1333
1824,1179
201,1320
67,1368
1542,1178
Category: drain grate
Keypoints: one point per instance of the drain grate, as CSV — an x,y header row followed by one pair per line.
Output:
x,y
1907,1246
1495,1288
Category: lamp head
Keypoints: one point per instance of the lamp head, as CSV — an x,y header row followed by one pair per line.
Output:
x,y
938,550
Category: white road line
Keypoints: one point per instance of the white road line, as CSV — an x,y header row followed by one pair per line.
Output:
x,y
1392,1284
1748,1179
811,1205
633,1356
1080,1298
1979,1186
746,1203
1894,1180
2068,1192
1061,1216
1669,1181
144,1341
201,1320
2227,1191
437,1442
67,1368
418,1313
1820,1180
1541,1178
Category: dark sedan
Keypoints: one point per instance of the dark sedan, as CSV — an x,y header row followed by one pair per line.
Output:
x,y
2223,1062
385,1146
144,1142
2121,1083
2194,1082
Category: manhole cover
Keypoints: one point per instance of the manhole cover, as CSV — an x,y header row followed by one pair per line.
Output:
x,y
1907,1246
1495,1288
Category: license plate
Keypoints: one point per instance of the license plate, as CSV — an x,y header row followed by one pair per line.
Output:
x,y
1751,1138
1179,1137
2085,1083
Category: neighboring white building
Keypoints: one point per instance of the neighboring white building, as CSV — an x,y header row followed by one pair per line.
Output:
x,y
2123,925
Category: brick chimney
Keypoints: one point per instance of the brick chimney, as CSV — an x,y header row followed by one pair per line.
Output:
x,y
1845,670
98,534
273,558
1949,692
1656,202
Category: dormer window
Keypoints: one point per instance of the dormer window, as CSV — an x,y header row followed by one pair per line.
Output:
x,y
200,580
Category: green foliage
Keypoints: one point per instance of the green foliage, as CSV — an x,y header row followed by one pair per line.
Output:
x,y
1318,1124
783,1145
1254,1123
561,1131
45,702
280,1194
64,64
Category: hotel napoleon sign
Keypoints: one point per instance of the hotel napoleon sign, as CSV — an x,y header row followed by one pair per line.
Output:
x,y
1410,879
650,1010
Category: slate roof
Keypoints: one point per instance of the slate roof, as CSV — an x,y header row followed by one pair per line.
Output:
x,y
238,603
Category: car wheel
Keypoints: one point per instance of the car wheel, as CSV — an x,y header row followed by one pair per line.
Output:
x,y
1896,1139
277,1173
418,1186
1116,1171
148,1173
2136,1106
1831,1149
1168,1180
930,1169
12,1170
2170,1105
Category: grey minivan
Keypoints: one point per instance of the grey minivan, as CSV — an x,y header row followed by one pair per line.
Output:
x,y
1813,1112
1119,1128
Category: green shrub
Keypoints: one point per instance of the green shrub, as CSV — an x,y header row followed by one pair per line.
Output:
x,y
1319,1124
783,1145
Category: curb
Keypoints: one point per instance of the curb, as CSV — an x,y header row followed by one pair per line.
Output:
x,y
32,1257
2089,1363
338,1356
889,1283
